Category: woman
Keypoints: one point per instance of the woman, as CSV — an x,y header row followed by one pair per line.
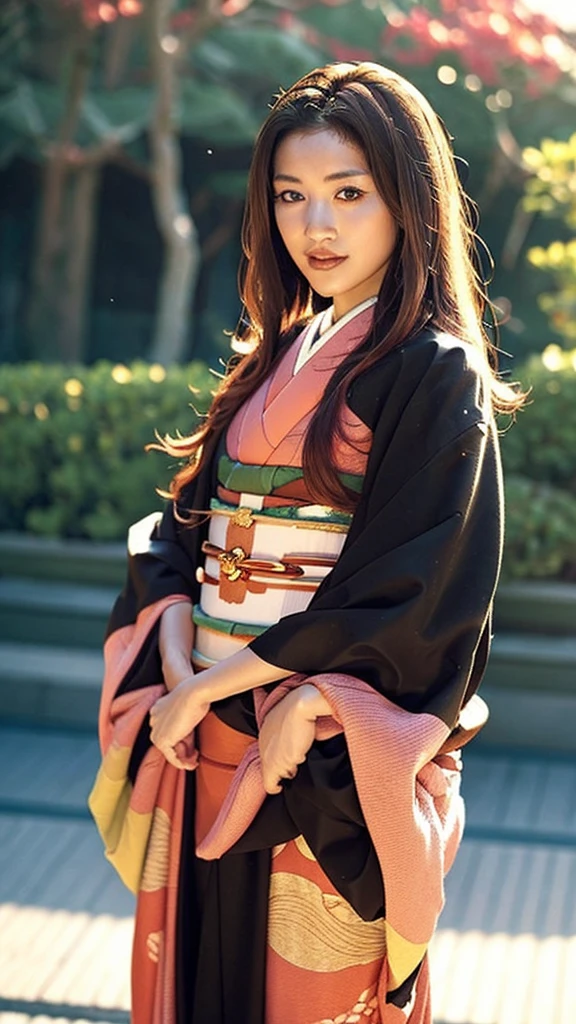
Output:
x,y
337,529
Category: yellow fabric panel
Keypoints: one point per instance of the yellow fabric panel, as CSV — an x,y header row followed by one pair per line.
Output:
x,y
129,856
124,832
403,956
108,803
116,761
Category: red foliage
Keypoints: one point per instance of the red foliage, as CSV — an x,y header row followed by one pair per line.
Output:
x,y
96,12
488,37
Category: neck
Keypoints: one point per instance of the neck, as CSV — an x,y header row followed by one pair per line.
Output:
x,y
338,313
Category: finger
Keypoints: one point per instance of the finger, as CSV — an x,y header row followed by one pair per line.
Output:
x,y
272,783
272,789
172,757
186,748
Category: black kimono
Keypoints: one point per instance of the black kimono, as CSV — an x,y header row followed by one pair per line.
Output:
x,y
406,609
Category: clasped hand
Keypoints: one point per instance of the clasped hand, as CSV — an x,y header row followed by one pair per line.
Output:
x,y
286,736
173,719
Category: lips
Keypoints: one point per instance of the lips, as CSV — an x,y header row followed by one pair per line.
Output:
x,y
324,260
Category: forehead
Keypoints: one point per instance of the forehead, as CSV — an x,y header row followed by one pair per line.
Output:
x,y
321,150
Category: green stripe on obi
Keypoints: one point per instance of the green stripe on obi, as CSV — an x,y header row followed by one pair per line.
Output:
x,y
237,476
200,618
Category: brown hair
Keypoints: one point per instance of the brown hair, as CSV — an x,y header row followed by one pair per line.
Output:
x,y
432,278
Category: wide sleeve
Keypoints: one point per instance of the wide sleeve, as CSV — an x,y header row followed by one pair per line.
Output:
x,y
407,606
163,551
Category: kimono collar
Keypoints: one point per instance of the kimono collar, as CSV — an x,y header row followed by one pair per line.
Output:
x,y
322,328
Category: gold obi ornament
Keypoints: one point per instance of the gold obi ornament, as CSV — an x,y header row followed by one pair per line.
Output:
x,y
235,564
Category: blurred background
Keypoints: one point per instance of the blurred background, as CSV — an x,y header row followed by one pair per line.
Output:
x,y
125,136
126,129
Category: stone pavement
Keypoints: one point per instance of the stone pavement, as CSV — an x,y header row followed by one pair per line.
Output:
x,y
505,951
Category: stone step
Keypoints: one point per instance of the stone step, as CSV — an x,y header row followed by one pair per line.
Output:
x,y
542,664
536,606
76,561
54,613
55,685
530,688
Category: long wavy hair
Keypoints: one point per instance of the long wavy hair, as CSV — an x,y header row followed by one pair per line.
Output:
x,y
433,277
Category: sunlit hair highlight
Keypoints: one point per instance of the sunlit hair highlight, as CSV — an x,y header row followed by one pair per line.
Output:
x,y
433,277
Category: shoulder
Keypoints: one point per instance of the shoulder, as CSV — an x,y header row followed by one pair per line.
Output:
x,y
431,373
438,354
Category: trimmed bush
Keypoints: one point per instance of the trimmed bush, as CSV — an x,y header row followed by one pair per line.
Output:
x,y
539,455
73,461
542,444
540,531
72,441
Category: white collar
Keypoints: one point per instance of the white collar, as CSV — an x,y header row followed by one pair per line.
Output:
x,y
321,329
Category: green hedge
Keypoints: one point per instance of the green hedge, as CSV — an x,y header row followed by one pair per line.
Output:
x,y
539,455
72,461
72,443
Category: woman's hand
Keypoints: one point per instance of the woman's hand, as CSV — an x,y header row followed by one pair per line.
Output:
x,y
173,719
287,734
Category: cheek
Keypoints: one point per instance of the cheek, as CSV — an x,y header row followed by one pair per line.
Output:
x,y
370,218
387,230
286,222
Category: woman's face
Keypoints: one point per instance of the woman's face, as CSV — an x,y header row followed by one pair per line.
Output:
x,y
333,221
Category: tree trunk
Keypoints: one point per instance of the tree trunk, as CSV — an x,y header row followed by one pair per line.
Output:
x,y
181,262
44,316
42,321
76,273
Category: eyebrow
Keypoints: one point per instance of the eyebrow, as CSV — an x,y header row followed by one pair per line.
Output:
x,y
352,173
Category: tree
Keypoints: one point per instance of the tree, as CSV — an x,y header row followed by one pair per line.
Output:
x,y
94,82
51,118
97,79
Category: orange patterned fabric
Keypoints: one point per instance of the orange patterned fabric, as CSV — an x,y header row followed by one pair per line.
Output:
x,y
141,823
323,962
412,808
220,751
414,813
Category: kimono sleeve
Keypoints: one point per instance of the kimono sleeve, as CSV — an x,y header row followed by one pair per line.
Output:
x,y
407,606
162,557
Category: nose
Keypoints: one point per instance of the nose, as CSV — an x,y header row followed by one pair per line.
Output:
x,y
320,224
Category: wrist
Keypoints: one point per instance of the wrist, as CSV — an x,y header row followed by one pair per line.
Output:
x,y
197,688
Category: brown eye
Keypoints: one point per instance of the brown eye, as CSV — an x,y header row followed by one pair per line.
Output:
x,y
289,196
350,193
